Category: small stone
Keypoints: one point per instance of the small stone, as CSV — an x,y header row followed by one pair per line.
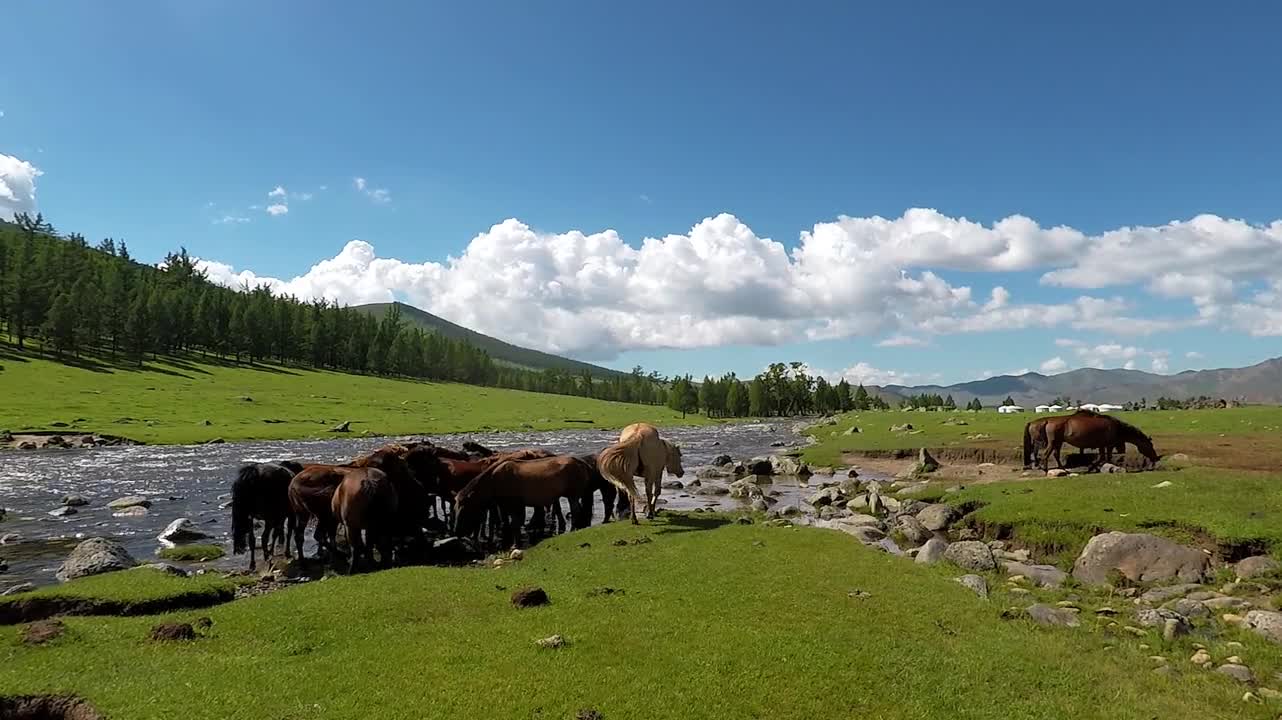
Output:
x,y
64,511
129,501
975,584
1019,591
516,554
1160,659
1137,632
552,642
1201,658
1105,611
1233,660
1269,693
1173,628
1163,484
74,501
1250,697
1050,616
1241,673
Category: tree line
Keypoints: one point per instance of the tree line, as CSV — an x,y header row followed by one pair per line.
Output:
x,y
781,390
74,300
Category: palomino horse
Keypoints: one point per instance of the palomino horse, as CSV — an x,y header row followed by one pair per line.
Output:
x,y
612,500
1088,430
640,452
261,490
365,502
512,485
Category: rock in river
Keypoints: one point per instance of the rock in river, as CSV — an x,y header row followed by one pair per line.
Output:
x,y
1140,557
181,531
95,556
129,501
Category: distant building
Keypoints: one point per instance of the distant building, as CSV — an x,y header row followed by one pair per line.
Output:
x,y
1106,407
1042,409
1007,409
1056,408
1090,406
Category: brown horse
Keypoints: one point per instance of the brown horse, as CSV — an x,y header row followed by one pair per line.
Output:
x,y
512,485
1035,440
611,499
366,504
1088,430
261,491
640,452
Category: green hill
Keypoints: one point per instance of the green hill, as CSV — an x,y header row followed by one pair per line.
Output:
x,y
170,401
499,350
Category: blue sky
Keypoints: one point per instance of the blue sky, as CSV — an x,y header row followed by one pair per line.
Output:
x,y
157,121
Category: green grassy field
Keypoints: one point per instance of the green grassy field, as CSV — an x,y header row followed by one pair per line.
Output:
x,y
1256,430
170,401
712,620
1238,512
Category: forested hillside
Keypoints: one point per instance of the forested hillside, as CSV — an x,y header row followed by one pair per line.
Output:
x,y
62,297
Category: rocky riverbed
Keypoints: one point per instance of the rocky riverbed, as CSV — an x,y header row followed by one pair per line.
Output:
x,y
54,498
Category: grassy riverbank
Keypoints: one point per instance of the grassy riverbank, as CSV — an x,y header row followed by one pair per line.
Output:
x,y
1246,438
698,628
1236,513
188,401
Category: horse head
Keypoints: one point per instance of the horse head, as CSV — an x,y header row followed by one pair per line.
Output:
x,y
674,459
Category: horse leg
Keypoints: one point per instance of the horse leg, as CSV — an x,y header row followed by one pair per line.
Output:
x,y
268,542
253,552
356,545
560,518
289,533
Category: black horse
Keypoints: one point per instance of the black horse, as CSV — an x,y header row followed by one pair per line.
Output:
x,y
261,490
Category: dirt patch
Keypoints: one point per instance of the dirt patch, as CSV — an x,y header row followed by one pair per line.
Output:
x,y
530,597
43,631
47,707
173,632
23,610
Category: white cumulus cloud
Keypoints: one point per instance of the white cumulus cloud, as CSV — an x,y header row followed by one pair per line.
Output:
x,y
17,186
277,209
595,294
1054,365
279,192
380,196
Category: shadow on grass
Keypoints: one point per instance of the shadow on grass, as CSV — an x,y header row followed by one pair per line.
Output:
x,y
686,522
101,361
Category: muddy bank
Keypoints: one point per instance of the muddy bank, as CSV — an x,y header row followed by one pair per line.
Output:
x,y
24,610
60,439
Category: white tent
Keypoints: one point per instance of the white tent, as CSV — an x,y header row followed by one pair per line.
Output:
x,y
1006,409
1042,408
1091,406
1056,408
1106,407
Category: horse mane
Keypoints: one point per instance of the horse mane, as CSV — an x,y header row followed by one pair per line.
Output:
x,y
476,448
293,466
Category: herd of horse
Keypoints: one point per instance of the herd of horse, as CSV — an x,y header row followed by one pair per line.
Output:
x,y
1086,430
388,499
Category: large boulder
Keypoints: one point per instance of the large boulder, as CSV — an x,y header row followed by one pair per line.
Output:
x,y
745,489
912,529
1256,566
181,531
759,466
1157,618
932,551
784,465
1140,557
937,516
1266,623
971,555
94,557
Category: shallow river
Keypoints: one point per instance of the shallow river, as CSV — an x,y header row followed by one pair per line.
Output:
x,y
194,481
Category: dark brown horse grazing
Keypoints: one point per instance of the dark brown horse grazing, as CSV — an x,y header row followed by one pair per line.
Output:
x,y
513,485
1035,440
1088,430
261,491
366,504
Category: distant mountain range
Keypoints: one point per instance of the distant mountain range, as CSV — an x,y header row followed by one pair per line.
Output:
x,y
499,350
1258,383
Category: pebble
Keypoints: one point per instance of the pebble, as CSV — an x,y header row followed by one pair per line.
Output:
x,y
1241,673
1201,657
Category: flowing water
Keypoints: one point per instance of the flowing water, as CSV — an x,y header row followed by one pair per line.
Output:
x,y
194,481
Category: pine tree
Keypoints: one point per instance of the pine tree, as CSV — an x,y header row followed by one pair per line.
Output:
x,y
137,330
60,323
861,401
949,404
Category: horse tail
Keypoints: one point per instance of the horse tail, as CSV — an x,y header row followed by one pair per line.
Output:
x,y
242,523
618,463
